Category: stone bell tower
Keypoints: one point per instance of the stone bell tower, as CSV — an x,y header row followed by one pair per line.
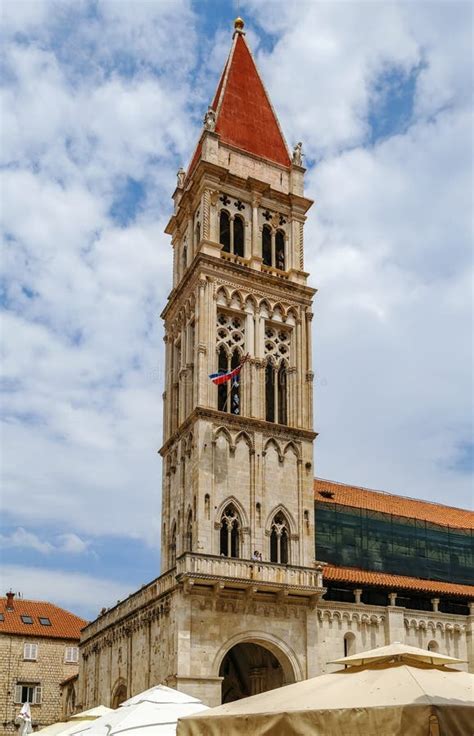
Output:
x,y
238,457
235,610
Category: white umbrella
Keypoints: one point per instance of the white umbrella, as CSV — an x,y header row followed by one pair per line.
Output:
x,y
76,722
160,694
24,717
155,711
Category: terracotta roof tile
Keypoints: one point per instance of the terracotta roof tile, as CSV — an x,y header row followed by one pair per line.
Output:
x,y
245,117
64,625
333,573
244,114
388,503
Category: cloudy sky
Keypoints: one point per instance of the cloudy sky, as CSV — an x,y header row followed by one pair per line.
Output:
x,y
102,102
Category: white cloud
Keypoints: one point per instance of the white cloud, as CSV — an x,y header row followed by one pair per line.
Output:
x,y
386,245
25,540
83,594
69,543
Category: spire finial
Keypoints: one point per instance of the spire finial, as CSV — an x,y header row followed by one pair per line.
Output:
x,y
239,25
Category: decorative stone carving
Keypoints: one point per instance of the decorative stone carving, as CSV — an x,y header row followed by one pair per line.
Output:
x,y
298,154
181,178
210,119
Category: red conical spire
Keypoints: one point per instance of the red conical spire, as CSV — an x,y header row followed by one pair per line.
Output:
x,y
244,115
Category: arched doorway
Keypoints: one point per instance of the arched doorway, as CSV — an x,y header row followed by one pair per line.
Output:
x,y
249,668
119,695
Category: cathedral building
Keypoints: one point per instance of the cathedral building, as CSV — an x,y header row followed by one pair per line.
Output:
x,y
267,574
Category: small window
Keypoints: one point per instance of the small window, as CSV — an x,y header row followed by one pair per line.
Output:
x,y
27,619
2,617
30,651
71,655
27,692
44,621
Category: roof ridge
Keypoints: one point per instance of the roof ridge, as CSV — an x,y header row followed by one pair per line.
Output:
x,y
392,494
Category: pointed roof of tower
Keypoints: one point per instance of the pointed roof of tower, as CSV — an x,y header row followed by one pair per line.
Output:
x,y
245,117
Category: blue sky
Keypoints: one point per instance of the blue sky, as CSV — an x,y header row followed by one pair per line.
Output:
x,y
102,102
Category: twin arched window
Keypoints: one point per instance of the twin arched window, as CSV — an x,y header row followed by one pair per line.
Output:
x,y
273,248
279,540
276,393
231,233
230,534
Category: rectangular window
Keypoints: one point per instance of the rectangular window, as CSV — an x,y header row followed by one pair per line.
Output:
x,y
30,651
71,654
2,617
28,692
44,621
27,619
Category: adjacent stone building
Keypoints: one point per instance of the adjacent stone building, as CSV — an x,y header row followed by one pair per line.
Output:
x,y
245,601
38,651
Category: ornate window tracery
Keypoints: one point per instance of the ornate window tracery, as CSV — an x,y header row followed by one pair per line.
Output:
x,y
277,351
279,540
230,532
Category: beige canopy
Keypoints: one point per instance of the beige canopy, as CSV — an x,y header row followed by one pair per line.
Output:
x,y
396,692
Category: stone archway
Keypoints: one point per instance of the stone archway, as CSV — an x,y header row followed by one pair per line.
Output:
x,y
250,667
119,694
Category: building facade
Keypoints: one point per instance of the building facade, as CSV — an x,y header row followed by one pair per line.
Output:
x,y
38,651
242,604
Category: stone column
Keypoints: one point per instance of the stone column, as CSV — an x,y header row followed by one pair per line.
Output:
x,y
435,604
358,595
202,344
255,256
393,599
257,677
394,624
470,638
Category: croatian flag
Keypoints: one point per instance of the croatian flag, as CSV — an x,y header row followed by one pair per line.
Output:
x,y
222,377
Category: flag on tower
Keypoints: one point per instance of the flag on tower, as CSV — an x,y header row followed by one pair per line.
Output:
x,y
224,376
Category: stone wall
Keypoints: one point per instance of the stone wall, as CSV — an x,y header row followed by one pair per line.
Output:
x,y
49,670
184,645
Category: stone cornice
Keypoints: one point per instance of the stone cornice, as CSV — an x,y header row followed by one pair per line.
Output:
x,y
268,429
264,283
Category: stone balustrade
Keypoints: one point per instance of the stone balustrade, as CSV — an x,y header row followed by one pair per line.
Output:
x,y
250,572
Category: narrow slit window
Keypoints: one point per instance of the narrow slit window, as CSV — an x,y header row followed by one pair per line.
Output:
x,y
269,393
280,250
224,230
267,246
239,237
282,395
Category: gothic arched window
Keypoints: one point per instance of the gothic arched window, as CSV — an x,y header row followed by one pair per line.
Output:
x,y
230,532
188,540
238,236
224,230
267,245
280,250
279,540
172,546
